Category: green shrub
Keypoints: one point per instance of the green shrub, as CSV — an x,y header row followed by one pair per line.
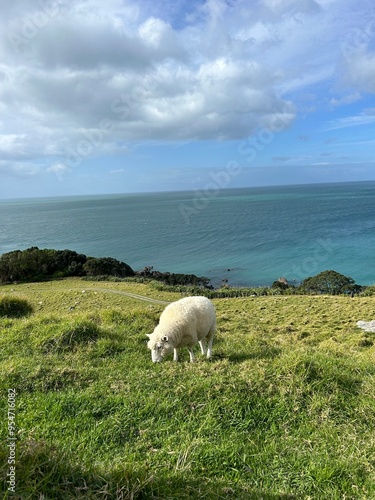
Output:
x,y
330,282
107,266
14,307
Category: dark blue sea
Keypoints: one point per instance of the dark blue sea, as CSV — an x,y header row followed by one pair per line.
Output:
x,y
250,236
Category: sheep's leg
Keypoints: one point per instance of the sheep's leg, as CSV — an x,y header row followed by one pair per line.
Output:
x,y
191,354
175,355
209,348
203,347
210,340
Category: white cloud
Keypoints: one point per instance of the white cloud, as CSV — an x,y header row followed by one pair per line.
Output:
x,y
18,169
117,171
361,70
58,168
84,78
8,142
347,99
351,121
156,33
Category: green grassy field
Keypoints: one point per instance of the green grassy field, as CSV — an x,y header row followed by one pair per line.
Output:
x,y
285,409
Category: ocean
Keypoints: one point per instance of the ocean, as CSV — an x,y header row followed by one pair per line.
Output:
x,y
249,236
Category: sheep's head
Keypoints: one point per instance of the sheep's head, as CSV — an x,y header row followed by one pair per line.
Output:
x,y
159,347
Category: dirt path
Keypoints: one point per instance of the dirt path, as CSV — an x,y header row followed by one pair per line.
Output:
x,y
129,294
109,290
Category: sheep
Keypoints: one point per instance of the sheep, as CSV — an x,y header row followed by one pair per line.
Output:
x,y
183,323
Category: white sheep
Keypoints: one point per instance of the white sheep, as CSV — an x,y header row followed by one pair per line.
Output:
x,y
183,323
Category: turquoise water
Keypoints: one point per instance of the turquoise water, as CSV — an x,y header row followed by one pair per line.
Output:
x,y
251,236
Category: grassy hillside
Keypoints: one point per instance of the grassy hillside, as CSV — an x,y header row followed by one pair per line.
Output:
x,y
285,409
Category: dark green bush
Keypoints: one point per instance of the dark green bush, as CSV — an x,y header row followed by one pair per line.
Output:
x,y
107,266
331,283
35,264
14,307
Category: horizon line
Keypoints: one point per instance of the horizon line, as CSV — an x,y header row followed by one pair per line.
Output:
x,y
171,191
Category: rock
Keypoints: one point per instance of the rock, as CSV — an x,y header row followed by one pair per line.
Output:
x,y
368,326
283,280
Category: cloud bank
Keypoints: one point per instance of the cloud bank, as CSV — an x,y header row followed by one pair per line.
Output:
x,y
83,78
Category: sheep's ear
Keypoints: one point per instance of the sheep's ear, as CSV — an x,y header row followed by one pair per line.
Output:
x,y
148,335
165,338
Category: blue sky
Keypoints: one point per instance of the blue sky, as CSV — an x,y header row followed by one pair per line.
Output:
x,y
150,95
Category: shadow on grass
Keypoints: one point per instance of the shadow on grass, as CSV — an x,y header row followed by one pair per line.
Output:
x,y
263,352
329,374
44,472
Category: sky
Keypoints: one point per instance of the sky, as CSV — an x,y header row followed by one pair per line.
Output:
x,y
128,96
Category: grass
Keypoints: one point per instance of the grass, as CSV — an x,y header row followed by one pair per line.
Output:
x,y
14,307
285,409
